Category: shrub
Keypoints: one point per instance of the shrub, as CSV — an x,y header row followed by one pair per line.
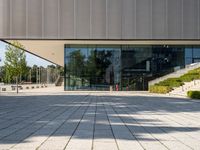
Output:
x,y
193,94
168,84
194,71
171,82
190,77
159,89
186,78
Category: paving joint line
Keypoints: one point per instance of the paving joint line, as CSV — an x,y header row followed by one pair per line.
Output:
x,y
78,124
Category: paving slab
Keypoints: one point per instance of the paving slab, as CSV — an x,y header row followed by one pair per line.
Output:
x,y
98,121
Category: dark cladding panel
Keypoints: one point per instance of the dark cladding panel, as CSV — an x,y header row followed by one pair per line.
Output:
x,y
129,19
67,19
114,21
98,19
82,19
159,19
34,18
174,19
50,19
190,19
143,19
18,24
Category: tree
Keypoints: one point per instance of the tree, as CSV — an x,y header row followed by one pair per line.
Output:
x,y
33,72
15,62
2,73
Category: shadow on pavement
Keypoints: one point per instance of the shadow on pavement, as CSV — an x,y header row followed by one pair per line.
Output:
x,y
24,118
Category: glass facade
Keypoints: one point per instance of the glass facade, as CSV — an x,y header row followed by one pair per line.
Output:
x,y
123,67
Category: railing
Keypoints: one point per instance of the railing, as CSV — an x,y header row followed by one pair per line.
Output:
x,y
175,74
59,81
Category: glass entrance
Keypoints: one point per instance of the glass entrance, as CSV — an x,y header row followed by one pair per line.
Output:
x,y
92,67
123,67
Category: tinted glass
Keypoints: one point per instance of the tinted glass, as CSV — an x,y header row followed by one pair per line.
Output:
x,y
126,67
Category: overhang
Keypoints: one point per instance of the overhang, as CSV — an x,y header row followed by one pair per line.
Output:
x,y
53,50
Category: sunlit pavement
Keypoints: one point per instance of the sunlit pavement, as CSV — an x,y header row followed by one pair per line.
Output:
x,y
58,120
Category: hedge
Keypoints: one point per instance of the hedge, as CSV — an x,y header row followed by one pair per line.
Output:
x,y
171,82
159,89
189,77
193,94
167,85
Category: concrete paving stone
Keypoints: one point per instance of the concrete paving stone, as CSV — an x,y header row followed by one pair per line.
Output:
x,y
83,133
102,127
26,146
164,138
5,146
57,143
103,133
79,144
129,144
103,145
116,120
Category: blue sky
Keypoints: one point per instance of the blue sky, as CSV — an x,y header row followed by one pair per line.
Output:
x,y
31,59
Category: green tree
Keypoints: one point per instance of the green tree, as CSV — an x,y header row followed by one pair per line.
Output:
x,y
33,73
2,73
15,62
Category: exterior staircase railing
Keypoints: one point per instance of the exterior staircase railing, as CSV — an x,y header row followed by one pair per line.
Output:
x,y
59,81
175,74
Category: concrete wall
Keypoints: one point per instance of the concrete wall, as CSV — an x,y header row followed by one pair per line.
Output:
x,y
99,19
9,88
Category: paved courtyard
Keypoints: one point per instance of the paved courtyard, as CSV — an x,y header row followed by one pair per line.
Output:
x,y
98,121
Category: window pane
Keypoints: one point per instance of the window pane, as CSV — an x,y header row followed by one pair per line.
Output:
x,y
196,52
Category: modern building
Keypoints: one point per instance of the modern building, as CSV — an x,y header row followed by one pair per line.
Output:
x,y
103,43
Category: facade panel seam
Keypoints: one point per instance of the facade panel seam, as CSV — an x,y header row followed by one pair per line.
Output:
x,y
151,19
198,19
135,19
11,22
42,18
75,26
182,20
194,17
91,19
121,5
58,25
106,19
27,8
135,24
166,21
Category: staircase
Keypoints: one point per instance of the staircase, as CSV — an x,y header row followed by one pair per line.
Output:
x,y
175,74
59,81
188,86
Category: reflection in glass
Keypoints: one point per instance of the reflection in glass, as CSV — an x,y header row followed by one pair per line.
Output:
x,y
91,68
129,67
196,52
